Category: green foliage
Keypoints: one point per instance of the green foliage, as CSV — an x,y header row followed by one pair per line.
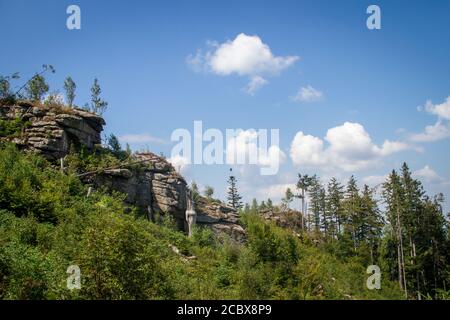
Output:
x,y
12,128
5,85
47,224
209,191
98,105
69,88
233,197
36,88
114,144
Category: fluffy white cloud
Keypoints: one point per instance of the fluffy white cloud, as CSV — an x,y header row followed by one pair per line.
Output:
x,y
276,191
441,110
244,56
435,132
349,148
441,129
308,94
140,138
427,173
245,146
307,150
179,162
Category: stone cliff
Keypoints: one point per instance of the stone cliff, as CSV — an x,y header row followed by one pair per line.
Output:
x,y
52,131
149,181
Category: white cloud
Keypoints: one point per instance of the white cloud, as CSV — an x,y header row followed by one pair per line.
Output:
x,y
374,180
140,138
307,150
244,56
255,84
441,110
308,94
428,174
276,191
179,162
245,146
350,148
431,133
441,129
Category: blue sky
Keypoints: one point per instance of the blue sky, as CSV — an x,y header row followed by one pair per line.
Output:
x,y
373,80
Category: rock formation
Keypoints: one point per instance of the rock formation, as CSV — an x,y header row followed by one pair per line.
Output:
x,y
219,217
150,183
52,131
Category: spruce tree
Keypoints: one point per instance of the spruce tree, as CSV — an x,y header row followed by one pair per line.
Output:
x,y
334,209
316,194
234,199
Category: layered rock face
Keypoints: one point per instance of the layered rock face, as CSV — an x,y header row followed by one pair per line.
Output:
x,y
220,218
149,182
152,184
52,131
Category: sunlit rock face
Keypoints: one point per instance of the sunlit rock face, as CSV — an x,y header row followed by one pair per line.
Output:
x,y
150,183
52,131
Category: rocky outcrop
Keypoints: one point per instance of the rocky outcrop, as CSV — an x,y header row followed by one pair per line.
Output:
x,y
148,181
151,183
52,131
291,219
221,218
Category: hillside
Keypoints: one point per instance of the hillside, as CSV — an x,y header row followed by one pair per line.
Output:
x,y
55,216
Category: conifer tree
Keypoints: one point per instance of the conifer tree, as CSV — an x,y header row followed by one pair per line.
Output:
x,y
69,88
316,194
234,199
334,209
303,183
98,105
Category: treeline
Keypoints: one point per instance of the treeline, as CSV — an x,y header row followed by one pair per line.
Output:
x,y
36,89
403,230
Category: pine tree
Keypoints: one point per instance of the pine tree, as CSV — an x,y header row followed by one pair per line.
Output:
x,y
334,208
316,194
114,144
393,197
303,183
352,205
370,229
98,105
69,88
234,199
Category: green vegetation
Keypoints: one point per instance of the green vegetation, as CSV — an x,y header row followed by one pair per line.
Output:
x,y
12,128
47,223
69,88
408,239
98,105
37,87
